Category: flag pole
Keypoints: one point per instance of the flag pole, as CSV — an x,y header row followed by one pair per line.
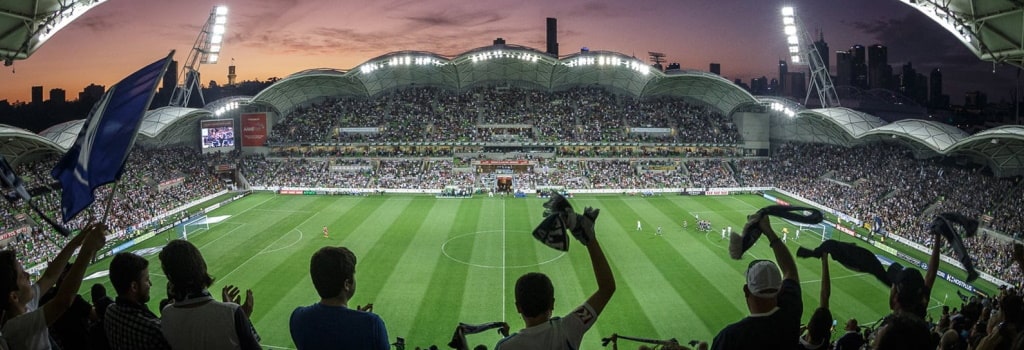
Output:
x,y
110,201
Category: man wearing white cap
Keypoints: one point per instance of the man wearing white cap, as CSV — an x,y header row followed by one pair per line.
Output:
x,y
773,299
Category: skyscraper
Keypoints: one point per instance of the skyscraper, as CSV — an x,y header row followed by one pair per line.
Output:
x,y
58,95
935,97
37,94
716,68
170,77
878,60
553,36
823,51
783,75
844,68
860,67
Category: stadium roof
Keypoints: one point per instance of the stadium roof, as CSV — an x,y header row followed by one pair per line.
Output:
x,y
1001,148
21,145
992,29
26,24
512,64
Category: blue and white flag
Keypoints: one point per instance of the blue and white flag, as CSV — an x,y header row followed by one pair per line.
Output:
x,y
98,155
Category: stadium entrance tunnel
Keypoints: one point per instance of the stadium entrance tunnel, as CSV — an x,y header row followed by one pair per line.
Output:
x,y
496,249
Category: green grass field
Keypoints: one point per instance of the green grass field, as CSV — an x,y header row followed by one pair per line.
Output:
x,y
426,264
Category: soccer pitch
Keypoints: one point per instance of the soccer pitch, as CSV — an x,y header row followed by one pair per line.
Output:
x,y
427,264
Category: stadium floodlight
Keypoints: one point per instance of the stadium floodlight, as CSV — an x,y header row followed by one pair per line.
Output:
x,y
794,49
789,29
788,11
207,49
795,58
792,40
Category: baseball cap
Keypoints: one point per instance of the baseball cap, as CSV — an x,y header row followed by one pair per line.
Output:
x,y
764,280
909,285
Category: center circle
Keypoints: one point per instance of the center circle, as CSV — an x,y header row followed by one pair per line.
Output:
x,y
495,249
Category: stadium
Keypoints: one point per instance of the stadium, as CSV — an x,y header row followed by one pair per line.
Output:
x,y
432,169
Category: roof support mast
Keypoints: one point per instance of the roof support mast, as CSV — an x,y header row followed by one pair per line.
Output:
x,y
803,51
205,50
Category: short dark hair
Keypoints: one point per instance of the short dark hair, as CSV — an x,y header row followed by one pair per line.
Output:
x,y
534,294
125,268
8,276
185,268
904,331
330,267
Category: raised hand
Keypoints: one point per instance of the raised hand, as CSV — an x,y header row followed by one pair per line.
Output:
x,y
365,308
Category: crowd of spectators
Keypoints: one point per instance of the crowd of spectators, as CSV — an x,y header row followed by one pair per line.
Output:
x,y
148,187
885,181
503,114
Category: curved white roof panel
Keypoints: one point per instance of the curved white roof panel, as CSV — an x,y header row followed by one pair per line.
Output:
x,y
503,64
64,134
936,136
23,144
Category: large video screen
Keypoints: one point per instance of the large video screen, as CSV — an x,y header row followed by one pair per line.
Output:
x,y
217,135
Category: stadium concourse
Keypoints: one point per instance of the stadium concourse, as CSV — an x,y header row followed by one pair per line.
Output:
x,y
421,122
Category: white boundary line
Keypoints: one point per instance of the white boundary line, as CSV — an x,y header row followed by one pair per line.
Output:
x,y
444,251
287,246
225,276
503,261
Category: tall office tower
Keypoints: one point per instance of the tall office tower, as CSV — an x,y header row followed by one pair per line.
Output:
x,y
823,51
860,67
878,61
844,68
553,36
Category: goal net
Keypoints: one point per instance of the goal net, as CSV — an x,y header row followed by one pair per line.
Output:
x,y
193,225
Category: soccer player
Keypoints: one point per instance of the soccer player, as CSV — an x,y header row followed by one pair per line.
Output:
x,y
325,232
796,234
659,231
730,229
638,226
723,234
684,225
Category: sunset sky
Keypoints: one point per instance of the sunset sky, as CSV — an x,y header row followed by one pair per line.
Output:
x,y
276,38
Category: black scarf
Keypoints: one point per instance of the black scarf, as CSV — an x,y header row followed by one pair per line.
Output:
x,y
751,232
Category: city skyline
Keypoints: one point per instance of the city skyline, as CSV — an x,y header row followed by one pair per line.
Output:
x,y
276,38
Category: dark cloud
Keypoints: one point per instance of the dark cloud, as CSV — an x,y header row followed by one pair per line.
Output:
x,y
450,18
98,23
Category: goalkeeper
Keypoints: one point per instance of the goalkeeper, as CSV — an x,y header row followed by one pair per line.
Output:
x,y
535,297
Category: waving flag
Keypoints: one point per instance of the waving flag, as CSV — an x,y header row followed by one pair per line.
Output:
x,y
98,155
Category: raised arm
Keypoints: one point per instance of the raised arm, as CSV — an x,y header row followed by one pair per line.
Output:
x,y
602,271
933,263
94,237
826,282
56,267
782,255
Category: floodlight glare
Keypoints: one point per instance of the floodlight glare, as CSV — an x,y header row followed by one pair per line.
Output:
x,y
216,39
222,10
788,20
212,58
218,29
795,59
220,20
794,49
787,11
792,40
214,48
790,30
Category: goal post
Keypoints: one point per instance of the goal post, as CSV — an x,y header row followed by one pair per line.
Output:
x,y
191,226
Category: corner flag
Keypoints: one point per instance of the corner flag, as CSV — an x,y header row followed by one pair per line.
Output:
x,y
98,155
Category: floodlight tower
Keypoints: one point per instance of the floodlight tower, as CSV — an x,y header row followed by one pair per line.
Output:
x,y
205,50
803,52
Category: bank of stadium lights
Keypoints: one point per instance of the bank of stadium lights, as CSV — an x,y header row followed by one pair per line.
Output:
x,y
215,37
227,107
781,108
399,61
602,60
789,28
489,55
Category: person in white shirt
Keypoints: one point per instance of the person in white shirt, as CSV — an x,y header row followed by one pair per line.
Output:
x,y
25,321
535,299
